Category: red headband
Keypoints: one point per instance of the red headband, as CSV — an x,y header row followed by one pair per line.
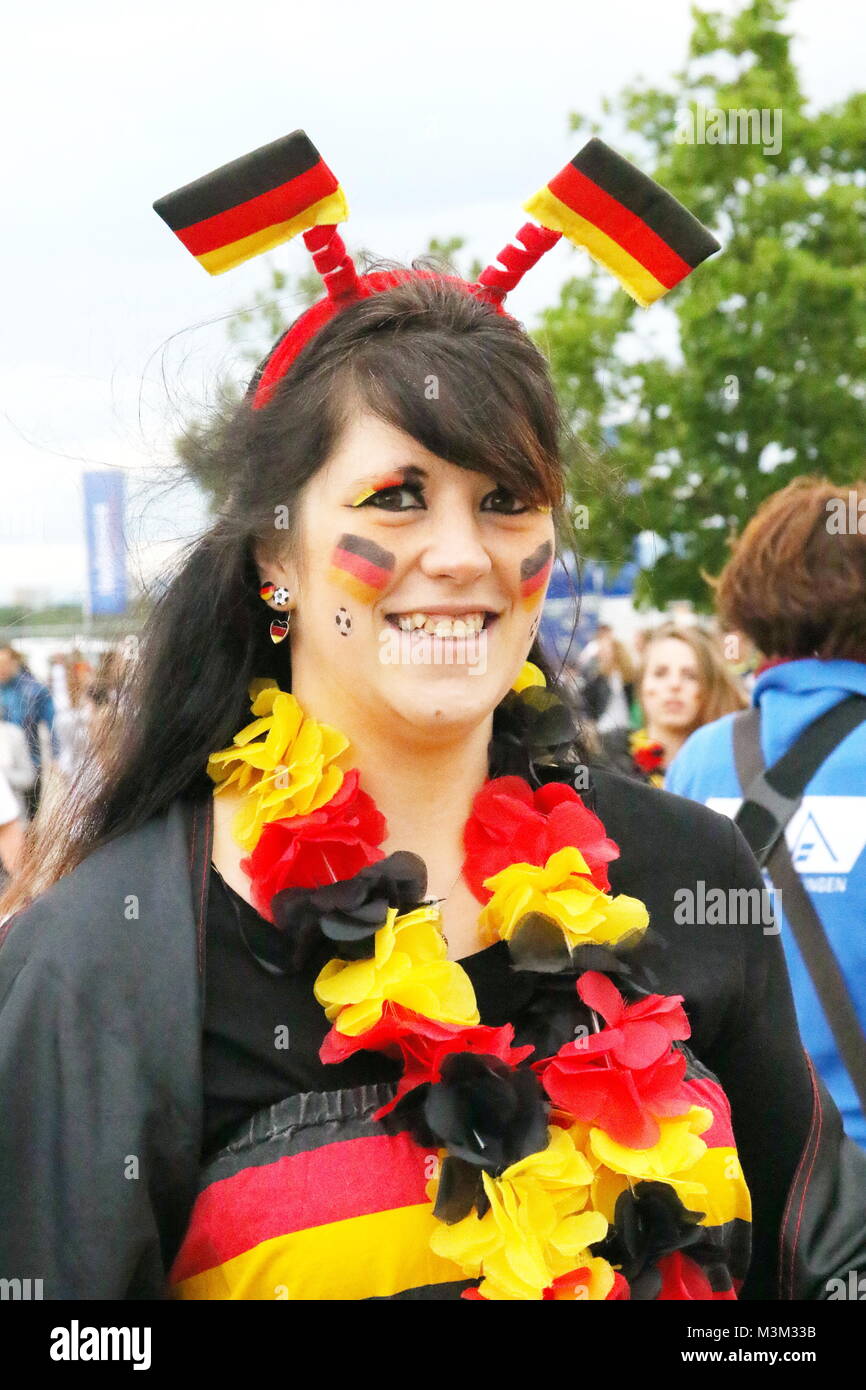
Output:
x,y
599,201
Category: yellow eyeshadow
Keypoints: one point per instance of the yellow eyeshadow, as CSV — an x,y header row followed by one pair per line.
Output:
x,y
362,497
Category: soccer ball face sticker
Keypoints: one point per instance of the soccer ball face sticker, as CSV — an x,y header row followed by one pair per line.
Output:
x,y
343,619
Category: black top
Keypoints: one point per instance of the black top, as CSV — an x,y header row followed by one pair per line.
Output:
x,y
262,1031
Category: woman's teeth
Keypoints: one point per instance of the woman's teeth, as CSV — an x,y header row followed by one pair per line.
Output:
x,y
438,625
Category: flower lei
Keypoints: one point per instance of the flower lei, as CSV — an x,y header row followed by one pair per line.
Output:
x,y
572,1177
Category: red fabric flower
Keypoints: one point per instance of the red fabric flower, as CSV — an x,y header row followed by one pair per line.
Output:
x,y
623,1078
683,1280
423,1045
621,1289
509,824
649,758
636,1034
566,1286
323,847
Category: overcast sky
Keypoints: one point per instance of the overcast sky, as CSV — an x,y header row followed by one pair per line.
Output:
x,y
438,119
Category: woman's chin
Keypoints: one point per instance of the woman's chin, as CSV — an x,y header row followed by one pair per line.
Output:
x,y
441,698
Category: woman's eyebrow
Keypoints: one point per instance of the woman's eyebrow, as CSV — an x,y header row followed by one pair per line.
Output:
x,y
399,473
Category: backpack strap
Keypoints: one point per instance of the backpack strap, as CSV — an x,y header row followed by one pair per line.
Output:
x,y
770,799
772,796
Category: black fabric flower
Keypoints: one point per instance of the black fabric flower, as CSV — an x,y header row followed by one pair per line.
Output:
x,y
649,1222
538,945
461,1188
533,727
345,916
484,1112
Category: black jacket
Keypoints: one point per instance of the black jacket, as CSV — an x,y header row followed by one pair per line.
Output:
x,y
101,988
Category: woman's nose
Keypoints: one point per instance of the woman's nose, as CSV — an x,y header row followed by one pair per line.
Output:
x,y
454,546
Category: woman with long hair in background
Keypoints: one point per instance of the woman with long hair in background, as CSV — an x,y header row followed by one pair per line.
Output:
x,y
683,683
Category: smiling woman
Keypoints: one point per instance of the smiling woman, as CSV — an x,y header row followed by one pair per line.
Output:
x,y
353,951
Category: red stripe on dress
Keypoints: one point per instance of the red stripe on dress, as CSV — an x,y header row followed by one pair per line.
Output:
x,y
277,205
710,1094
351,1177
628,230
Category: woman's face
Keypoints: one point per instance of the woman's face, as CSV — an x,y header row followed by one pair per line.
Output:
x,y
389,532
671,690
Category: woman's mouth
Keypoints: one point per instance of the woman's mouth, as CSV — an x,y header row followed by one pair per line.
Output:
x,y
443,625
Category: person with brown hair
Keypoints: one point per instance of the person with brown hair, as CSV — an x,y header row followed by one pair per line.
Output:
x,y
683,683
294,992
795,585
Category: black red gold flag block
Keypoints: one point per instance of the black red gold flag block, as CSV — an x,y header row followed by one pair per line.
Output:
x,y
625,220
254,203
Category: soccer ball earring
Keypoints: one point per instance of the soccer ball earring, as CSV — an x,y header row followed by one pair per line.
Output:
x,y
277,597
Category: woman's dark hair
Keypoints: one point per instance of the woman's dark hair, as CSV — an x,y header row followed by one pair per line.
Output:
x,y
428,358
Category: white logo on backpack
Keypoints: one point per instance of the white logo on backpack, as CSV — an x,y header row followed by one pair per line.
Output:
x,y
826,834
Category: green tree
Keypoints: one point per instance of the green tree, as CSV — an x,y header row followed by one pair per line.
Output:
x,y
765,377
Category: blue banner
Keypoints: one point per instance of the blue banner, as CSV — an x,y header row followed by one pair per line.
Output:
x,y
104,500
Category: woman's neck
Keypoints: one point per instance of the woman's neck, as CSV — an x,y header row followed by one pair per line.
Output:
x,y
425,792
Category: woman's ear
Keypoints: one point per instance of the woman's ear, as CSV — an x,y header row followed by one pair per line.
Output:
x,y
275,571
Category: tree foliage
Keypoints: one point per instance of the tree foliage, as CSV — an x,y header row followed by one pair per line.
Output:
x,y
754,369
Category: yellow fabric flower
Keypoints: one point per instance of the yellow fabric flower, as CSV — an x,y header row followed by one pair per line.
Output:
x,y
675,1159
530,674
536,1227
409,967
563,890
279,762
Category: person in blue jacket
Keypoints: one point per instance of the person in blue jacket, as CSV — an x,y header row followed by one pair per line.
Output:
x,y
26,702
796,585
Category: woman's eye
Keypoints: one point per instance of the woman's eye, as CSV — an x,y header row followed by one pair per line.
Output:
x,y
392,494
388,499
503,492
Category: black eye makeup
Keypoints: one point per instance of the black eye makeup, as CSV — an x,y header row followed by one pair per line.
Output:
x,y
388,499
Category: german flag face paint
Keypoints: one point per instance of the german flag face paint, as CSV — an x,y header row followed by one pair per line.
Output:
x,y
534,573
254,203
625,220
361,567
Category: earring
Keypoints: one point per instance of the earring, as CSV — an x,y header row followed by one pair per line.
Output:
x,y
275,594
279,629
278,597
